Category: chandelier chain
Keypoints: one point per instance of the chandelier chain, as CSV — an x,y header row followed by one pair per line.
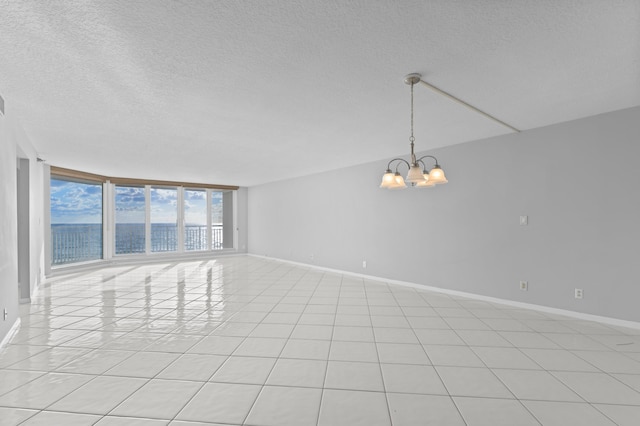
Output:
x,y
411,138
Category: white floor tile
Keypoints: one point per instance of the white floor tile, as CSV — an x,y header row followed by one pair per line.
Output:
x,y
466,324
427,322
130,421
395,335
247,370
12,379
599,388
500,324
312,332
306,349
405,378
95,362
158,399
461,356
438,337
353,376
424,410
353,351
505,358
260,346
558,360
483,338
14,416
216,345
49,360
494,412
400,353
353,408
467,381
353,334
631,380
524,339
566,413
143,364
623,415
175,343
610,362
537,385
282,318
285,406
43,391
234,329
196,367
272,330
220,403
48,418
99,396
317,319
575,342
384,321
298,373
12,354
121,340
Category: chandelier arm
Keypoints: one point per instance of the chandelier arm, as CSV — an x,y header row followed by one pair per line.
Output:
x,y
427,156
398,159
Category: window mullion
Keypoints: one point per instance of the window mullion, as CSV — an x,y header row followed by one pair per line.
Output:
x,y
147,220
180,219
209,233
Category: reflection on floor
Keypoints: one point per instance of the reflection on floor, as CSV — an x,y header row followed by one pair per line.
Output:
x,y
248,341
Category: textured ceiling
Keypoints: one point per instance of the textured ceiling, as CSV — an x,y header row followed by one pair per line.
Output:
x,y
246,92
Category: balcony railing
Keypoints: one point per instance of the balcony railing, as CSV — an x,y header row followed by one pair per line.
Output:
x,y
78,243
75,243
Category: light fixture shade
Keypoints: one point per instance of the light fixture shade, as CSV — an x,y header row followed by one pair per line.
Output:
x,y
388,180
398,182
415,174
426,183
436,175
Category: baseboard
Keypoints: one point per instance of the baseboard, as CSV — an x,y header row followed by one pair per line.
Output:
x,y
12,331
80,267
541,308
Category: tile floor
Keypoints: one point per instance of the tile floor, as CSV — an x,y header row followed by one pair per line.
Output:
x,y
248,341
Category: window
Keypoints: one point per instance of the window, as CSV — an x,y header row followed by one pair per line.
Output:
x,y
130,220
195,219
76,221
217,222
141,217
164,219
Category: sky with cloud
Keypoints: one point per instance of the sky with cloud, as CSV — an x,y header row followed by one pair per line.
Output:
x,y
74,202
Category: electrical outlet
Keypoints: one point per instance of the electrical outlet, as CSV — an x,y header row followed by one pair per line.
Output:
x,y
364,264
524,286
524,220
6,314
578,293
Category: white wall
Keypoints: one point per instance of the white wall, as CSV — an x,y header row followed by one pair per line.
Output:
x,y
242,219
14,144
577,182
36,206
8,231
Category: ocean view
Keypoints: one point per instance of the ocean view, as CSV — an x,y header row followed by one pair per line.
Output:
x,y
83,242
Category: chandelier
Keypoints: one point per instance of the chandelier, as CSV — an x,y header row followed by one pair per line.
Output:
x,y
418,175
